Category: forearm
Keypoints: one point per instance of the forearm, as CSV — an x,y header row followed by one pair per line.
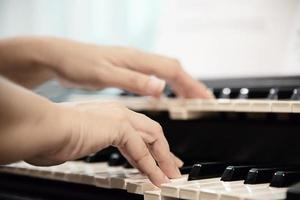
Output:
x,y
24,61
30,125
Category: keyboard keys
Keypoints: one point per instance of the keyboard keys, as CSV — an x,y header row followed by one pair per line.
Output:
x,y
225,93
296,94
244,93
235,173
127,165
116,159
293,192
285,178
273,94
260,175
206,170
185,169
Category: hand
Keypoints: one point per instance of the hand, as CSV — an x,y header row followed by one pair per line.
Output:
x,y
94,126
94,67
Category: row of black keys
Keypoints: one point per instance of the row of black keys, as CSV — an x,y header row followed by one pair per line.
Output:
x,y
276,175
244,93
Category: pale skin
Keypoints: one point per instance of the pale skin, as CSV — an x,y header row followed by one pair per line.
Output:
x,y
45,133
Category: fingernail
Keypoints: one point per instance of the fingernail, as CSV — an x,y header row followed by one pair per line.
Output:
x,y
155,86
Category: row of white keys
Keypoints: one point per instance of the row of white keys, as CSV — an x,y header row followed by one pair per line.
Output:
x,y
254,193
104,179
193,192
185,189
235,190
121,181
155,192
217,193
243,105
172,189
98,174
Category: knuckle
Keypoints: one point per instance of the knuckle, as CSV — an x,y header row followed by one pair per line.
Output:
x,y
140,82
157,127
143,156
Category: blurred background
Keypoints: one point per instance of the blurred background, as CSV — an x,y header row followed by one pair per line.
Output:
x,y
212,38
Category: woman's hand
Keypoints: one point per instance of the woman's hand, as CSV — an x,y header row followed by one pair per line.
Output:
x,y
95,125
94,67
45,133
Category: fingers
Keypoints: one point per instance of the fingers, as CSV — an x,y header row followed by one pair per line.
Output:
x,y
178,161
169,69
137,150
152,134
134,81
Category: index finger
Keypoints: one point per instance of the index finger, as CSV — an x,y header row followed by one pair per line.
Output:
x,y
170,70
153,135
140,155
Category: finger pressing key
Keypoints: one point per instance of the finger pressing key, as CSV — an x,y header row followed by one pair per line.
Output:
x,y
153,135
136,148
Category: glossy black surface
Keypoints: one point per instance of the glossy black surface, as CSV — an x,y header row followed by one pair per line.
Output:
x,y
206,170
285,178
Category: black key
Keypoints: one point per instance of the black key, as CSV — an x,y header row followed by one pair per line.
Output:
x,y
285,178
128,94
169,92
206,170
260,175
265,175
244,93
225,93
97,157
235,173
273,94
127,165
185,169
116,159
293,192
296,94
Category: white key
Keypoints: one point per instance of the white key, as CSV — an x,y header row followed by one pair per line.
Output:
x,y
281,106
206,190
200,105
181,113
296,106
247,192
153,195
120,181
270,195
240,191
208,105
102,179
139,187
172,189
241,105
224,105
261,105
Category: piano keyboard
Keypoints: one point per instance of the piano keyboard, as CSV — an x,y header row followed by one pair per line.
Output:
x,y
271,100
193,108
204,181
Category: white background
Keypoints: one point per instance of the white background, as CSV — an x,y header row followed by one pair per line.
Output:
x,y
232,38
